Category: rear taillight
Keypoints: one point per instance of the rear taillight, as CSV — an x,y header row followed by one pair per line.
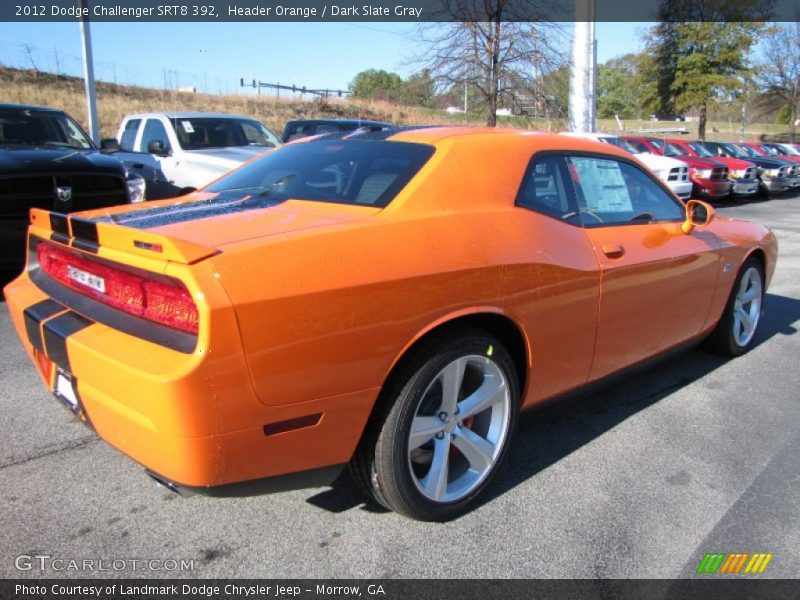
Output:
x,y
166,302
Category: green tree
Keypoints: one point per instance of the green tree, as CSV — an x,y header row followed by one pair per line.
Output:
x,y
657,67
704,46
367,84
712,62
618,88
418,89
778,73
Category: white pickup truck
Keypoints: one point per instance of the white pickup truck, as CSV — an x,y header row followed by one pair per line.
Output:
x,y
194,148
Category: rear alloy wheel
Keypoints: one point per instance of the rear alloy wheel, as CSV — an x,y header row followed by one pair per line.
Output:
x,y
736,330
446,431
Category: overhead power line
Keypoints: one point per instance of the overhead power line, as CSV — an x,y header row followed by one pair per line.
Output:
x,y
324,93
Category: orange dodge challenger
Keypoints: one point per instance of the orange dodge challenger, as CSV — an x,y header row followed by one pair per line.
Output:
x,y
388,300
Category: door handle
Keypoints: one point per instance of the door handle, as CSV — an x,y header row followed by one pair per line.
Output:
x,y
613,250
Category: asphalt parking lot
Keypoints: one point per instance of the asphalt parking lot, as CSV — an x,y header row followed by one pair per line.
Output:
x,y
699,454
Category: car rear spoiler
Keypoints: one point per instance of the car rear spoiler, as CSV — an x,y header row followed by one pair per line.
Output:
x,y
90,235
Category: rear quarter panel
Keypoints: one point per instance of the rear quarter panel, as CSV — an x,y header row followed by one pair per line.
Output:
x,y
328,312
738,241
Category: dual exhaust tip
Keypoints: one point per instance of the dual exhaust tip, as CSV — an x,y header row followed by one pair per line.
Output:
x,y
165,483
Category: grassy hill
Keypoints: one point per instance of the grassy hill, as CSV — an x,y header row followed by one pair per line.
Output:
x,y
114,101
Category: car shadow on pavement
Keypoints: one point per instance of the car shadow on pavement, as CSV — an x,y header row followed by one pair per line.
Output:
x,y
545,436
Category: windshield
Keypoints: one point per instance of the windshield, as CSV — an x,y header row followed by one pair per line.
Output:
x,y
357,172
41,128
735,150
700,150
619,143
222,132
748,151
673,150
790,150
638,147
771,150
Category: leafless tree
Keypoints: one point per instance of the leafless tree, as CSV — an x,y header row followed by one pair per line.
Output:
x,y
496,58
779,71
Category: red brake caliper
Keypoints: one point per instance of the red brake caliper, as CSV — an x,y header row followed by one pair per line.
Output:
x,y
468,424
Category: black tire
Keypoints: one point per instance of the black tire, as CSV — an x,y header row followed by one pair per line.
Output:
x,y
382,466
722,340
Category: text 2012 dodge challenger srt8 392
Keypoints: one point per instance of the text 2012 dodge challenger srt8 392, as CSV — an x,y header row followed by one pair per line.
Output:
x,y
388,300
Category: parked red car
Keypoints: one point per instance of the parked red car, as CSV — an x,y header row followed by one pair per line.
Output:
x,y
742,174
710,177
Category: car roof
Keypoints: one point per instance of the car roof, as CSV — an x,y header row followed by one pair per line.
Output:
x,y
589,136
534,140
188,115
340,121
437,135
9,106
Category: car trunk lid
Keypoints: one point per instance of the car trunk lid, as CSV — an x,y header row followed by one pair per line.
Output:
x,y
195,227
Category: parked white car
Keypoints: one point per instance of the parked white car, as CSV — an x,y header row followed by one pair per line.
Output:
x,y
195,148
673,172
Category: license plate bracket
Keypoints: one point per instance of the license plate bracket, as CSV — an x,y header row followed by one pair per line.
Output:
x,y
64,389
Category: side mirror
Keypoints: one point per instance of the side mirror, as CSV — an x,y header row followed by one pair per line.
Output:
x,y
697,213
157,147
109,145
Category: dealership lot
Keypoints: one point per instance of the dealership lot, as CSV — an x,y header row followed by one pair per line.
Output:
x,y
640,479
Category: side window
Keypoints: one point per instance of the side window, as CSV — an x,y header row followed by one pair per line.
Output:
x,y
298,131
325,128
543,188
612,192
251,134
154,130
129,135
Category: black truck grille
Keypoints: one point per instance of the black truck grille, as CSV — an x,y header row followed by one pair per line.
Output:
x,y
63,193
719,173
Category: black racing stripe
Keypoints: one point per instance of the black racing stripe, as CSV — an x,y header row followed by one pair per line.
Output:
x,y
60,238
84,245
34,315
222,204
59,224
84,233
56,332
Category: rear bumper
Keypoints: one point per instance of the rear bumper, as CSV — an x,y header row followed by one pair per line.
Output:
x,y
711,188
193,419
267,485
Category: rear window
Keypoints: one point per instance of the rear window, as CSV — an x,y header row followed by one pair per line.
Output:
x,y
360,172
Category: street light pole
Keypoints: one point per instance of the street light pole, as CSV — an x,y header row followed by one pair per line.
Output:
x,y
88,74
583,78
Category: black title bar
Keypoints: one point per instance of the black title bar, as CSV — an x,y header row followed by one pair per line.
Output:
x,y
718,588
397,10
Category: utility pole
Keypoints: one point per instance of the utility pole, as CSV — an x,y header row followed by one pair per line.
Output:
x,y
583,78
744,118
88,75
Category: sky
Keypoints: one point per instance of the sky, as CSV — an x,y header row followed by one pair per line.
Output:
x,y
214,56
